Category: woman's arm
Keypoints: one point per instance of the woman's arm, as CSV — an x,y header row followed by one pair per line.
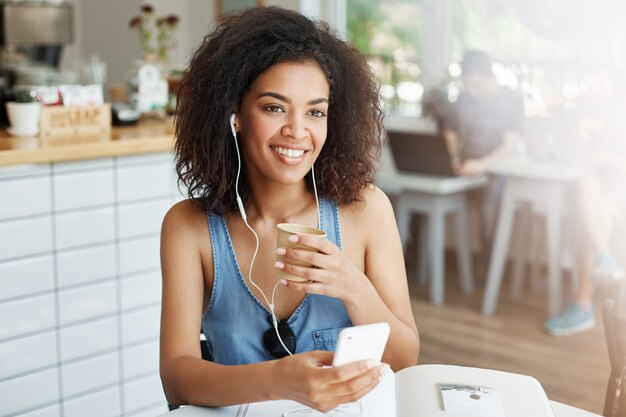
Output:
x,y
380,292
188,379
387,296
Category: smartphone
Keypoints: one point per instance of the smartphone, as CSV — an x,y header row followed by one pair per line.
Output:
x,y
362,342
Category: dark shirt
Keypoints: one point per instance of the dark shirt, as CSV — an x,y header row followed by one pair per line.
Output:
x,y
480,123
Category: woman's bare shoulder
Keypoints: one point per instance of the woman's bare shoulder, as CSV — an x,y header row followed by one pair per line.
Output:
x,y
369,217
372,204
185,217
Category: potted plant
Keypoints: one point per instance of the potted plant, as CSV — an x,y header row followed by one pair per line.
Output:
x,y
24,114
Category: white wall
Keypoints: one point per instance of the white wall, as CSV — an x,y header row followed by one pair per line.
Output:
x,y
102,29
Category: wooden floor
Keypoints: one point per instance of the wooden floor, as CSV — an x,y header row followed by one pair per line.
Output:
x,y
573,370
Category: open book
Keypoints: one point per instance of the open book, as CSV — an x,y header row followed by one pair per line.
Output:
x,y
433,391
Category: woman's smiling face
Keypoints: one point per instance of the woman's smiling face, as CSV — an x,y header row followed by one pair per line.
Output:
x,y
282,121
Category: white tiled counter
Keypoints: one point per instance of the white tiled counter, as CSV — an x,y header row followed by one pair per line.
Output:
x,y
80,286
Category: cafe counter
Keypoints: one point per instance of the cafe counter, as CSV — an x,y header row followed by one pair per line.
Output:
x,y
80,276
146,137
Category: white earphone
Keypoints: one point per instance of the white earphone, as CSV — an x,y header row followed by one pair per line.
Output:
x,y
242,210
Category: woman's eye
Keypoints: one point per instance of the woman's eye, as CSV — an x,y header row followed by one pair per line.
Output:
x,y
317,113
273,108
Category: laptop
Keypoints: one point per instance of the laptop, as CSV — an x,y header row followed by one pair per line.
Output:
x,y
421,153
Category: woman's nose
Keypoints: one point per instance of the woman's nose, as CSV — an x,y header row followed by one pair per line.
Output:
x,y
295,128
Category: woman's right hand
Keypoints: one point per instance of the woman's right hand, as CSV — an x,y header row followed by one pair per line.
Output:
x,y
308,379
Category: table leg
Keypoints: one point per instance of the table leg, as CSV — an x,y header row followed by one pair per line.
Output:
x,y
522,247
553,220
499,251
423,247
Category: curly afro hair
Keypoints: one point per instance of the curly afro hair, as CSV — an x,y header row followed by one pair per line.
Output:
x,y
223,68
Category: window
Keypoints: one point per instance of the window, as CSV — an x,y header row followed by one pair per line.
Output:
x,y
389,34
550,50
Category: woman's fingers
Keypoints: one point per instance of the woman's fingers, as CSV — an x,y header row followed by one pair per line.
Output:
x,y
355,376
319,243
354,383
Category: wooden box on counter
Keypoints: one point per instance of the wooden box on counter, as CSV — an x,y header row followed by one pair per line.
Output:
x,y
70,124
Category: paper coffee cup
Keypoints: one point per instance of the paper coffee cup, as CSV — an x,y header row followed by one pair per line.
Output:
x,y
284,231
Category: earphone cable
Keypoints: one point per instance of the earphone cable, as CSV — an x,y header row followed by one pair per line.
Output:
x,y
317,201
256,237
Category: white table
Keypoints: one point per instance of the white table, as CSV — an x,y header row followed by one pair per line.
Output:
x,y
537,183
434,197
560,410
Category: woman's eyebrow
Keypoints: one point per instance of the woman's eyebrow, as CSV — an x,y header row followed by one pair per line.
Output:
x,y
288,100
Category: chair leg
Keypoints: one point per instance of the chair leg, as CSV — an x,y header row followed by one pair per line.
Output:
x,y
463,249
404,220
437,219
537,255
524,225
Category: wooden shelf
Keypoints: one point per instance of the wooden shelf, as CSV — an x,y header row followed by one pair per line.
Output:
x,y
146,137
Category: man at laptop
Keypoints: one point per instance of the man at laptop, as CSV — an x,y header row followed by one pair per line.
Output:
x,y
485,124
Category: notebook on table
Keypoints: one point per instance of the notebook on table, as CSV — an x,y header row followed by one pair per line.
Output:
x,y
435,391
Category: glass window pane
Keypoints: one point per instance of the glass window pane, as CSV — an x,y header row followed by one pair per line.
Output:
x,y
389,33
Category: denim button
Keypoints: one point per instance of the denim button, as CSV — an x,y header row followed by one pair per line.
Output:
x,y
317,334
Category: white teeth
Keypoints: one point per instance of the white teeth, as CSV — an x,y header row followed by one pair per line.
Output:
x,y
290,153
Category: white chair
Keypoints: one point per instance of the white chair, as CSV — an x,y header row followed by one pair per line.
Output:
x,y
434,198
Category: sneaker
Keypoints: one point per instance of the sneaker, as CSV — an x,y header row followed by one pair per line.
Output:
x,y
606,269
573,319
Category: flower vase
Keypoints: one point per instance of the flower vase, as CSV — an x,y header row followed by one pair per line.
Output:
x,y
147,86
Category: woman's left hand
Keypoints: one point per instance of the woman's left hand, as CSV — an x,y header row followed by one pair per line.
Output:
x,y
331,274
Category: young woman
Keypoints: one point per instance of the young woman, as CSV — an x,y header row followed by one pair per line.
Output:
x,y
306,122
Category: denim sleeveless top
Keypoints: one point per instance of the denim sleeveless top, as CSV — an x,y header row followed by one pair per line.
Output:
x,y
235,320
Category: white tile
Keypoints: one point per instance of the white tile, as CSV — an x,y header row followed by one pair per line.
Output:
x,y
90,374
151,412
82,165
25,197
50,411
26,315
104,403
139,254
141,359
24,170
143,393
29,391
87,302
141,325
136,182
85,265
26,276
25,237
178,195
88,338
145,158
140,290
27,354
83,189
174,180
141,218
76,229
